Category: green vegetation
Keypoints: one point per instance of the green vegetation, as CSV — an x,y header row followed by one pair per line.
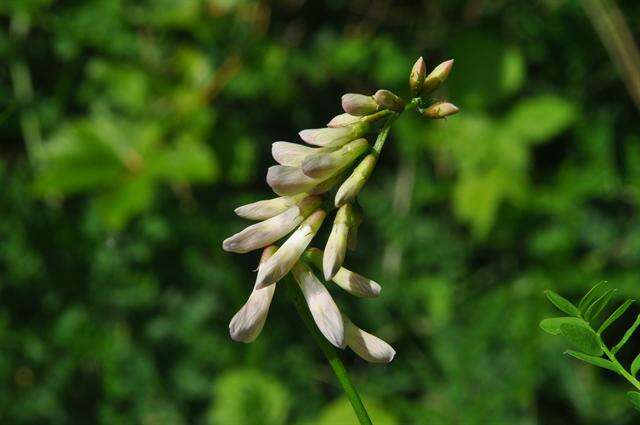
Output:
x,y
130,131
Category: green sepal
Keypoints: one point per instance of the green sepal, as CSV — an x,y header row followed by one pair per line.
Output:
x,y
635,365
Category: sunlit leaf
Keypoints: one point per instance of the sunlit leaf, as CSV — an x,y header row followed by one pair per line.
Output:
x,y
583,338
591,295
615,315
598,305
626,336
596,361
562,303
552,325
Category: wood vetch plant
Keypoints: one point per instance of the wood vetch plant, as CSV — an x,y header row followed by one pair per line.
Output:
x,y
312,181
583,328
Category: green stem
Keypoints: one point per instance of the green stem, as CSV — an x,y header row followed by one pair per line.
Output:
x,y
629,377
329,351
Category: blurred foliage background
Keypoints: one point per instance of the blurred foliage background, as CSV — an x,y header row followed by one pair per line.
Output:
x,y
131,129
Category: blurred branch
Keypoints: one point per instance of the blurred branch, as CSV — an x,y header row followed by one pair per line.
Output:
x,y
23,92
612,28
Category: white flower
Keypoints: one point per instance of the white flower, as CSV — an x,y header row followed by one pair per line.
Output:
x,y
336,136
352,282
336,247
359,104
342,120
323,309
286,257
292,154
247,323
263,210
287,180
369,347
325,165
267,232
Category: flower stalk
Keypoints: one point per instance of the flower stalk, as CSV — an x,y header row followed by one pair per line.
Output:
x,y
329,352
341,158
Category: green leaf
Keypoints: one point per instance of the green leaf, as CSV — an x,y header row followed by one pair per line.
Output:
x,y
598,305
591,295
626,335
615,315
634,398
583,338
562,303
635,365
596,361
552,325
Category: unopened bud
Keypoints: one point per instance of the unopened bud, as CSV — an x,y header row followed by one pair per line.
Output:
x,y
437,77
359,104
440,110
389,100
335,137
342,120
324,165
336,248
352,185
416,78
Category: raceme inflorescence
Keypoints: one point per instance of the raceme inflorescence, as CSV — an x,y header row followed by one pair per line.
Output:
x,y
312,181
578,328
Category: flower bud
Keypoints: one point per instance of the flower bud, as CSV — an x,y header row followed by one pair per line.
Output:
x,y
288,254
416,78
337,136
267,232
359,104
437,77
342,120
336,247
292,154
247,323
324,165
389,100
369,347
286,180
440,110
263,210
323,309
355,284
352,185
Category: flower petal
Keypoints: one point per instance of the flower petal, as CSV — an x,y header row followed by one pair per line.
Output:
x,y
291,154
267,232
287,180
324,310
368,346
352,282
247,323
285,258
265,209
